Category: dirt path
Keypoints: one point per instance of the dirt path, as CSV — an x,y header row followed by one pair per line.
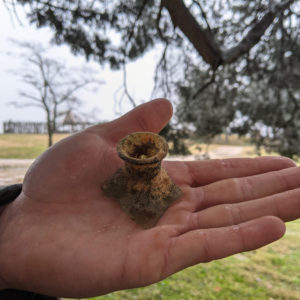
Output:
x,y
226,152
218,152
13,170
12,162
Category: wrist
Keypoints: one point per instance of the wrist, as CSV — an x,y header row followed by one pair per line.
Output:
x,y
7,195
3,286
3,255
2,208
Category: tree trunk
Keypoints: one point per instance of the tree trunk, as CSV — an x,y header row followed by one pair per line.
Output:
x,y
49,129
50,138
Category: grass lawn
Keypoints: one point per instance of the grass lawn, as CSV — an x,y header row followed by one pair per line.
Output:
x,y
271,272
24,145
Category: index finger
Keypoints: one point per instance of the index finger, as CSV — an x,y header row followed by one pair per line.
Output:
x,y
202,172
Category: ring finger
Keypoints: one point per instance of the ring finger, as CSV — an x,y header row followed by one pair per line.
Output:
x,y
284,205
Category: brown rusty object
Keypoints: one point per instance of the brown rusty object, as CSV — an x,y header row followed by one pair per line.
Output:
x,y
142,187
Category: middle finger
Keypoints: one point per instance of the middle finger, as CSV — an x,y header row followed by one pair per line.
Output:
x,y
246,188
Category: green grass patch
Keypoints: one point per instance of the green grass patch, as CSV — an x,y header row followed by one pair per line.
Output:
x,y
271,272
25,145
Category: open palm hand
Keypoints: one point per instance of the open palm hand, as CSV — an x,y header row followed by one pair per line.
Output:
x,y
63,237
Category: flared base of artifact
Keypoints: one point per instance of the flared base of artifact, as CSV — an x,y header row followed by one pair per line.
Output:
x,y
145,201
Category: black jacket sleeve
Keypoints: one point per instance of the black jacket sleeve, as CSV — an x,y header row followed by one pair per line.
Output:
x,y
9,193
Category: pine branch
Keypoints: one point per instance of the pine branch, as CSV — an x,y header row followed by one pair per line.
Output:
x,y
255,33
203,40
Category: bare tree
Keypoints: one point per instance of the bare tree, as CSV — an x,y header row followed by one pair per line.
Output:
x,y
50,85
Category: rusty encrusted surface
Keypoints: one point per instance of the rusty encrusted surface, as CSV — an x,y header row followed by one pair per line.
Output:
x,y
142,187
142,148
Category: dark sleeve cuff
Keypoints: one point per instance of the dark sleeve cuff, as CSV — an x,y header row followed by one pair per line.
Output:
x,y
9,193
22,295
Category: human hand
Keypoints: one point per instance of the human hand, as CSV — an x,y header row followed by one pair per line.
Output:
x,y
63,237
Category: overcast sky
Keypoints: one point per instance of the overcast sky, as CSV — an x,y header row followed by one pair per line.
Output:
x,y
140,74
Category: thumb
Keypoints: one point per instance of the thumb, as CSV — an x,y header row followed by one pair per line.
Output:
x,y
151,116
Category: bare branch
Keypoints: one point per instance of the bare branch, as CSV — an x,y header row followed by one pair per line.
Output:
x,y
29,96
14,13
162,66
202,13
163,57
24,105
137,18
158,20
296,103
125,87
30,80
118,99
205,85
75,86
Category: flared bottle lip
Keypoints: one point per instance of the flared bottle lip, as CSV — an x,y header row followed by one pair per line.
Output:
x,y
141,148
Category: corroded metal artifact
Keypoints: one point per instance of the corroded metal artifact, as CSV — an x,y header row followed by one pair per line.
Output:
x,y
142,187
